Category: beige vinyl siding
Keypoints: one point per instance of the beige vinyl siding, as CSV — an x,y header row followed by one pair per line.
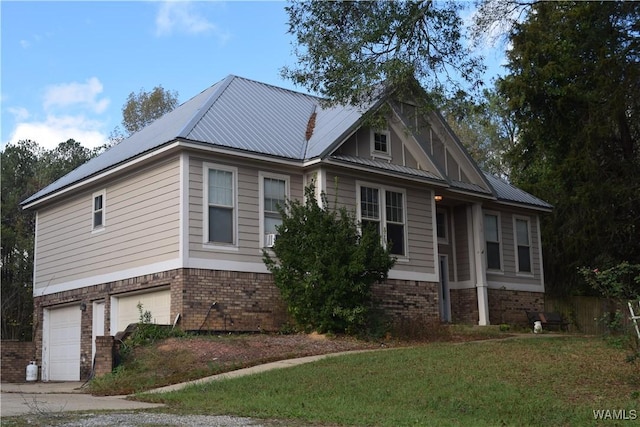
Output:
x,y
141,227
507,247
419,223
247,248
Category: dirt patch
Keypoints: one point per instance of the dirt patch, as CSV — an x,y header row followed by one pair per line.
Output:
x,y
245,350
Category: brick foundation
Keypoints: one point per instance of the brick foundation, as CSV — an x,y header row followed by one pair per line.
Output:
x,y
406,300
464,306
506,306
16,355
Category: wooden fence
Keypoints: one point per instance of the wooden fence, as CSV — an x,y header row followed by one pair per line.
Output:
x,y
588,315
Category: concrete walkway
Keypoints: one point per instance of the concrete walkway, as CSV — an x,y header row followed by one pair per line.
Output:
x,y
55,397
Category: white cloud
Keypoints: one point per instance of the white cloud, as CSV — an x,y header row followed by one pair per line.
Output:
x,y
19,113
83,94
25,44
57,129
179,16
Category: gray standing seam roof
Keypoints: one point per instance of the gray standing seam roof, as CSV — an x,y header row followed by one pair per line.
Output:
x,y
255,117
510,193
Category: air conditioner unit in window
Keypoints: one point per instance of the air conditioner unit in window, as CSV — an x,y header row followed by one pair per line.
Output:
x,y
270,240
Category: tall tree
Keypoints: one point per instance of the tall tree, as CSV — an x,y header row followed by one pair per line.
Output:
x,y
144,107
487,129
25,168
573,85
348,50
19,179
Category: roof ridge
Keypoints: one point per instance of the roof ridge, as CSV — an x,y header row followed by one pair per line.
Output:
x,y
206,105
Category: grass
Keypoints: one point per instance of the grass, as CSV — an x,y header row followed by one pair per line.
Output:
x,y
519,382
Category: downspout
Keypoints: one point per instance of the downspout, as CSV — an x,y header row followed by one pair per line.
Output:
x,y
480,264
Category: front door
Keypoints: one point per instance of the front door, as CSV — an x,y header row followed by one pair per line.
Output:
x,y
444,297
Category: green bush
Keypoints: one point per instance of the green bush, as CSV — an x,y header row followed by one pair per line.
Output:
x,y
324,265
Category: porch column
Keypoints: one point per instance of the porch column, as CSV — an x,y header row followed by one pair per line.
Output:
x,y
480,263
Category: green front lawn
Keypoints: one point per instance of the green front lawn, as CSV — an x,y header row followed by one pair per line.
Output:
x,y
539,381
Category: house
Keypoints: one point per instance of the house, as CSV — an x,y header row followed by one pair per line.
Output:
x,y
176,216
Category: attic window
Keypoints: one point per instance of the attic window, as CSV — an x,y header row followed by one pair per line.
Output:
x,y
381,143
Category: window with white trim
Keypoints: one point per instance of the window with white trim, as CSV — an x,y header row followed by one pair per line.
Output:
x,y
523,245
394,202
389,222
220,199
370,208
98,211
492,238
274,190
381,143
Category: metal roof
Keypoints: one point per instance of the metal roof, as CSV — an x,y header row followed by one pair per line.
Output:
x,y
510,193
235,113
378,164
243,114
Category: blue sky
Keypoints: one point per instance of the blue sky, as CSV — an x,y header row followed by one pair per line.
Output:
x,y
68,67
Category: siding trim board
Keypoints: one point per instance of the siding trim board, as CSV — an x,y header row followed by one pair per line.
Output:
x,y
109,277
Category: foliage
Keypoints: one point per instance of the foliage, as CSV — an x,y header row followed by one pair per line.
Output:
x,y
26,168
572,85
146,333
619,282
144,107
346,51
486,129
324,266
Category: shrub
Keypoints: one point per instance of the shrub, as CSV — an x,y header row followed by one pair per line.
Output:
x,y
324,265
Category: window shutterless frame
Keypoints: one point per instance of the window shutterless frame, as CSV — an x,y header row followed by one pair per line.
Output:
x,y
384,208
273,191
493,238
522,243
220,212
98,211
380,143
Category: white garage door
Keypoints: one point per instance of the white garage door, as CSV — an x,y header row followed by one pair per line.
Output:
x,y
158,303
64,344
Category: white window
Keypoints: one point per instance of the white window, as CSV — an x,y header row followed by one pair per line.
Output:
x,y
389,222
220,205
98,211
370,208
523,244
274,190
380,143
492,238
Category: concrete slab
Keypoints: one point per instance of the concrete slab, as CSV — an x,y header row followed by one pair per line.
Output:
x,y
55,397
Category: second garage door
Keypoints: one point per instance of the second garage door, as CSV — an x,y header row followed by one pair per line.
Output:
x,y
158,303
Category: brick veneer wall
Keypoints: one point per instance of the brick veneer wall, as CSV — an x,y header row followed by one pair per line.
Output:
x,y
244,302
16,355
230,301
406,300
464,306
211,300
507,306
